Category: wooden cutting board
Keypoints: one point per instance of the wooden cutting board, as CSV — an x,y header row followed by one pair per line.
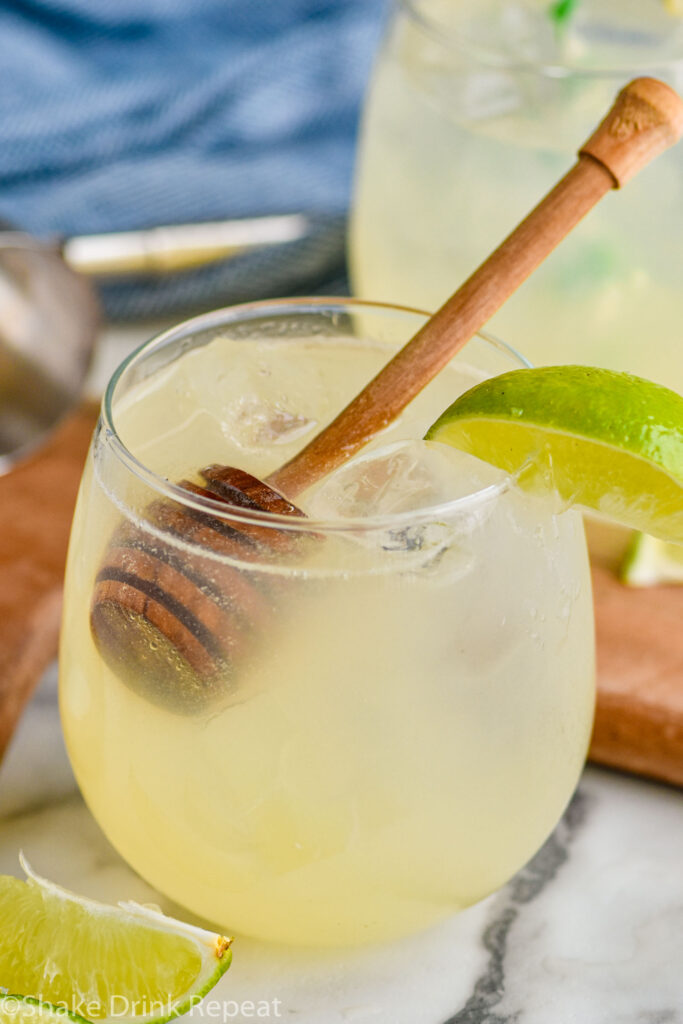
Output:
x,y
639,716
36,505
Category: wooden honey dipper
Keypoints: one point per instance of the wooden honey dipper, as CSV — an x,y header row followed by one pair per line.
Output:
x,y
156,613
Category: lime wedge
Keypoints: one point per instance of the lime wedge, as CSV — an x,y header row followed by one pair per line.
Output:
x,y
604,440
25,1010
104,963
650,561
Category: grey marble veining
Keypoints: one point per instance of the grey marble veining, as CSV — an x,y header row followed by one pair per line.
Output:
x,y
590,932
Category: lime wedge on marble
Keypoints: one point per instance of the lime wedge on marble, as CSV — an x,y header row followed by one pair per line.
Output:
x,y
650,561
607,441
104,963
25,1010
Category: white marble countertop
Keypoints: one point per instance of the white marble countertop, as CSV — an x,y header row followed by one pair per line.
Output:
x,y
590,932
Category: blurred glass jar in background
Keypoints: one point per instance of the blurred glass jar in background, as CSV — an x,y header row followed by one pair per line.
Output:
x,y
475,110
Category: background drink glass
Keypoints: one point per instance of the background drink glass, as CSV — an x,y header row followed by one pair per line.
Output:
x,y
408,719
476,108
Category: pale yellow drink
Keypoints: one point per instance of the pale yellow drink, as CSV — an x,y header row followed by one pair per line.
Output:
x,y
412,716
476,109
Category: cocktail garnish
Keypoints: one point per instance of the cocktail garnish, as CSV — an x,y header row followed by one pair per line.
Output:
x,y
174,632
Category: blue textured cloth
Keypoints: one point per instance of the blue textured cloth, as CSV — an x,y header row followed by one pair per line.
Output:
x,y
117,114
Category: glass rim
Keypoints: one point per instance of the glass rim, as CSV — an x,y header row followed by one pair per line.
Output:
x,y
217,508
441,33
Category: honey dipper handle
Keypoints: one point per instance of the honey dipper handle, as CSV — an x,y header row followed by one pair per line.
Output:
x,y
646,118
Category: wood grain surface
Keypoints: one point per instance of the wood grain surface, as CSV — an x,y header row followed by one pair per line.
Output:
x,y
639,713
36,505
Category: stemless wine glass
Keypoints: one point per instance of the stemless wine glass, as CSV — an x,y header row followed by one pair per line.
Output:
x,y
406,701
475,110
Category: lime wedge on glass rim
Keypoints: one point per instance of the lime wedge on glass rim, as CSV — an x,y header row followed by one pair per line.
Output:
x,y
602,440
103,963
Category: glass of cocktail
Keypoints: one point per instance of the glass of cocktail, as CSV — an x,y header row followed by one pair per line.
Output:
x,y
401,721
475,108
